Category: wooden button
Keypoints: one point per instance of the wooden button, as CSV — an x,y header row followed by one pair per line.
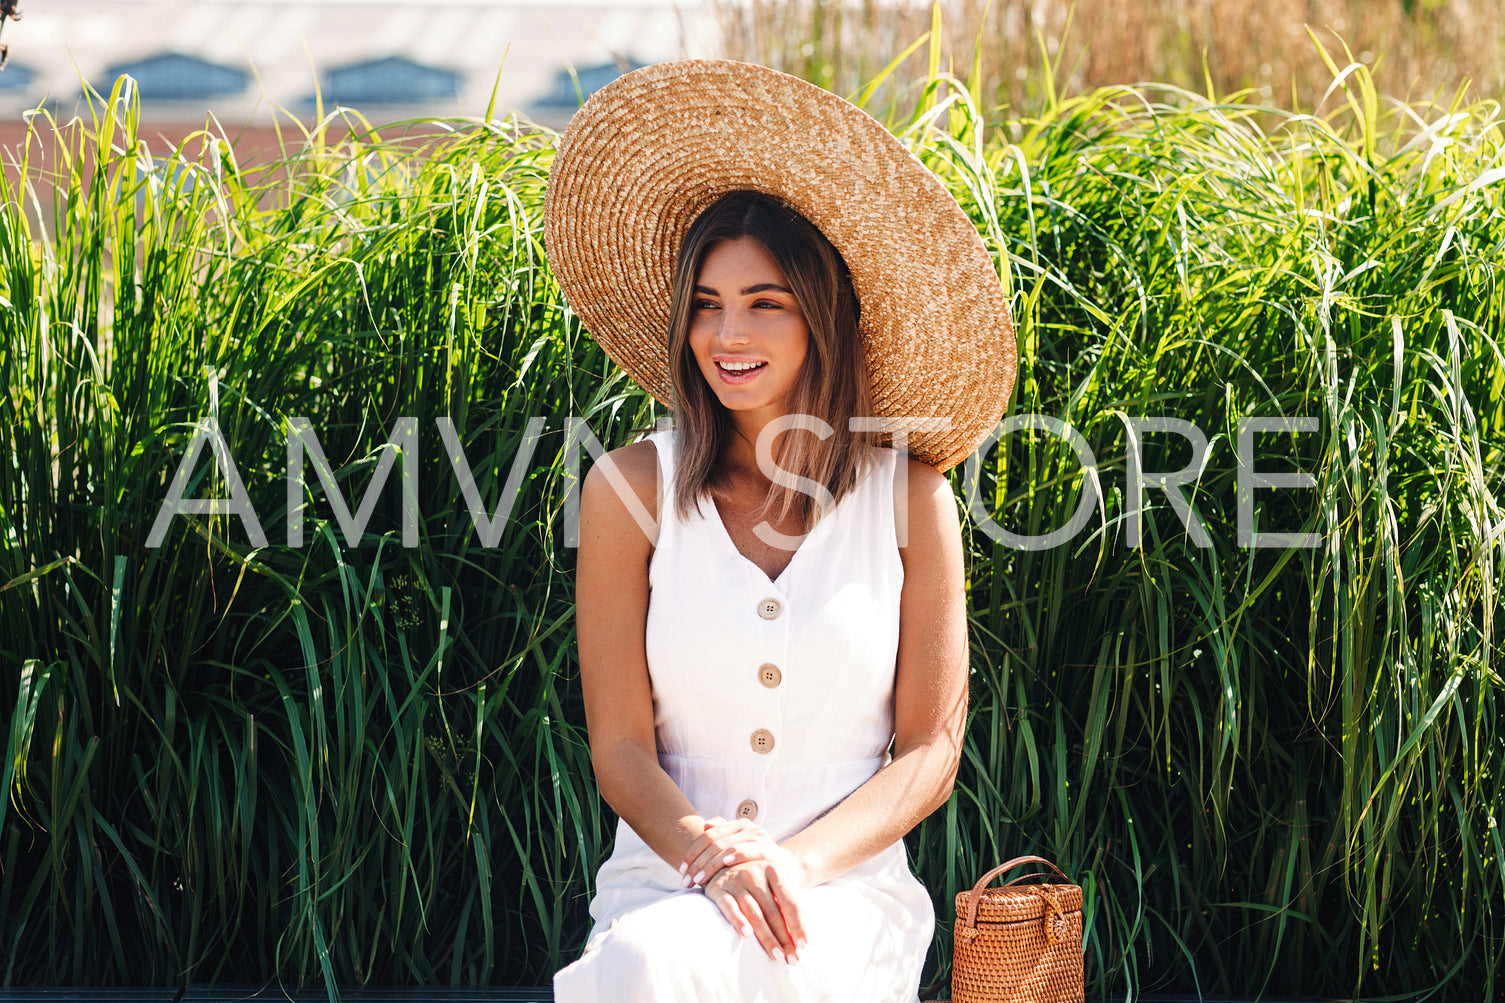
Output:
x,y
748,810
762,741
769,675
768,609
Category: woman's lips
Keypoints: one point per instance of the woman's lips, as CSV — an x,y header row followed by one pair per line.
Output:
x,y
739,376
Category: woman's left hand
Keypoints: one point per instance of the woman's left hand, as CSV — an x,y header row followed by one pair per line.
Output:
x,y
760,898
721,844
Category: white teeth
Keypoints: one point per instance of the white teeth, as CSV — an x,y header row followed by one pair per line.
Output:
x,y
737,367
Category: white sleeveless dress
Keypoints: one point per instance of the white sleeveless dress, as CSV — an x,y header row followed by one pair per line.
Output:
x,y
772,700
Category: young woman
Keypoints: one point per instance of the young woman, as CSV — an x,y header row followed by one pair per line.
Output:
x,y
774,664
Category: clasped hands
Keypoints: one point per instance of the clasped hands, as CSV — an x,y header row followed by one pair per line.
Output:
x,y
753,880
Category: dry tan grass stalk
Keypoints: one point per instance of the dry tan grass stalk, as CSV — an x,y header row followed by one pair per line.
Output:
x,y
1417,49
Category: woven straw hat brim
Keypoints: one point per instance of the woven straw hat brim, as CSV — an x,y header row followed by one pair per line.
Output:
x,y
651,150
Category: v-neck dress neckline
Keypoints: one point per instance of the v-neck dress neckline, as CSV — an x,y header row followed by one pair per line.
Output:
x,y
776,581
812,539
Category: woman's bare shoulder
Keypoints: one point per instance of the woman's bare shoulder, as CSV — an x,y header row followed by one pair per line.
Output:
x,y
626,474
924,481
925,505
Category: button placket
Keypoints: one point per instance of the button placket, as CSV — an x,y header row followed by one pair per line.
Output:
x,y
775,635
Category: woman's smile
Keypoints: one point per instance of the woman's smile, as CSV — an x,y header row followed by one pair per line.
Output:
x,y
738,371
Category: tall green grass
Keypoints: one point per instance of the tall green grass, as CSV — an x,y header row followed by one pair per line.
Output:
x,y
1277,771
1274,771
324,762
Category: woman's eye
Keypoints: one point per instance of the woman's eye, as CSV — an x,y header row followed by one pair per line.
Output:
x,y
702,305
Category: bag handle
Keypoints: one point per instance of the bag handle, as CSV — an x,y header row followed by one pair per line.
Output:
x,y
971,926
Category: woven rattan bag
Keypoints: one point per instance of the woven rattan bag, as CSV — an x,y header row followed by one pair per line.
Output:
x,y
1021,943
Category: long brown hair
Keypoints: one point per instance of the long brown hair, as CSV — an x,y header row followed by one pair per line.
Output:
x,y
832,385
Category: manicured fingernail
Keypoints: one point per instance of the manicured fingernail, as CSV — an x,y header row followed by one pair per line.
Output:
x,y
730,858
747,931
699,877
778,954
800,944
685,882
684,867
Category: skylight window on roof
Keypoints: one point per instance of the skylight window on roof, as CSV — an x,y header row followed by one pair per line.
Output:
x,y
564,94
390,80
174,76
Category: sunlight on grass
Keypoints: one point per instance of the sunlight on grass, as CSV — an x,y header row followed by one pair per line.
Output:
x,y
1273,770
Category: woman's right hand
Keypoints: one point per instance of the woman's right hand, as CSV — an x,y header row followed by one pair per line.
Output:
x,y
718,845
760,898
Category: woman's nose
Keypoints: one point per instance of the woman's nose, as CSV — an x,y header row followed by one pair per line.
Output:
x,y
733,328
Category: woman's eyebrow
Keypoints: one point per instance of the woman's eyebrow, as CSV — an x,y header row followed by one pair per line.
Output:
x,y
761,287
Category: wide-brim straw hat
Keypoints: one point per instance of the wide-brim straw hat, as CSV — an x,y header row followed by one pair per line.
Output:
x,y
651,150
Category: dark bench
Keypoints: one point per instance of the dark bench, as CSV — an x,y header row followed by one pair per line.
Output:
x,y
272,994
365,994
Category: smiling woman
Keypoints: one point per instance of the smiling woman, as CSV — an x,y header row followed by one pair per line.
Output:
x,y
758,285
774,679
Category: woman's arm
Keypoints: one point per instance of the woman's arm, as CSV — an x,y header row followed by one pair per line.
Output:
x,y
930,701
611,612
930,696
611,615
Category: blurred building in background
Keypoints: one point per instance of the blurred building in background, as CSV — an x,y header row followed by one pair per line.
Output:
x,y
253,61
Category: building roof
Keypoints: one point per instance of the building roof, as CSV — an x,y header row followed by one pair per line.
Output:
x,y
419,58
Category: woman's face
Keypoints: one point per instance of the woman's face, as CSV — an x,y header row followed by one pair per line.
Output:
x,y
746,329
